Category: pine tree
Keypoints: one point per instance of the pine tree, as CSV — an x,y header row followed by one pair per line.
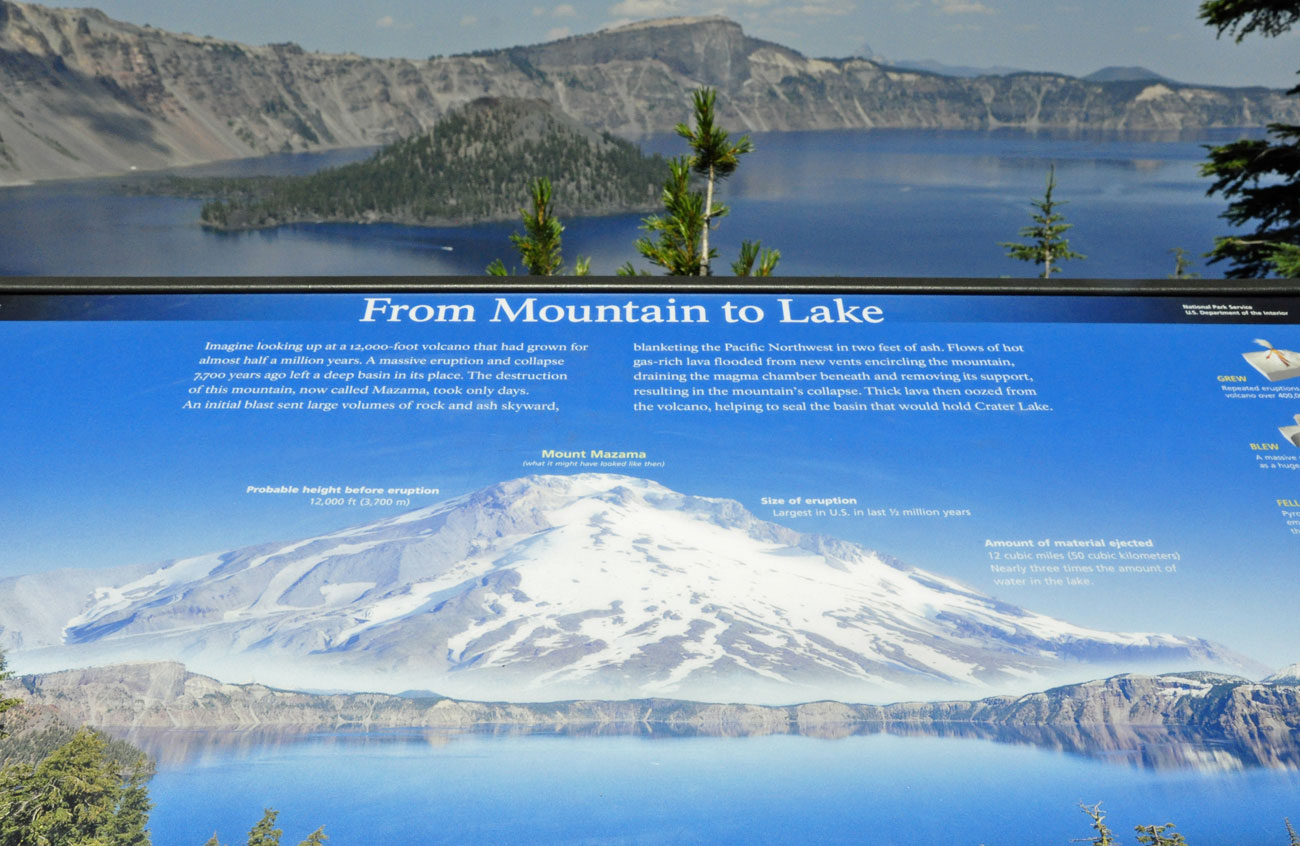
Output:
x,y
265,833
1104,836
75,796
316,838
1159,835
1182,264
1242,17
5,704
1286,261
675,244
1259,177
714,157
539,246
751,252
128,825
1047,245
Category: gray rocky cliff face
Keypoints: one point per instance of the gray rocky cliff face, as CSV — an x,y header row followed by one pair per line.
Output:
x,y
165,694
83,95
1196,721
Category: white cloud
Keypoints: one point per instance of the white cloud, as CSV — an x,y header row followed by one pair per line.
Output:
x,y
538,11
815,8
962,7
556,33
631,10
645,8
824,9
564,10
468,20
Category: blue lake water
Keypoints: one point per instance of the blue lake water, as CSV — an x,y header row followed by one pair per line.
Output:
x,y
416,787
851,203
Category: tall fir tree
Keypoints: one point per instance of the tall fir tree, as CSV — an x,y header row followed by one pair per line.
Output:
x,y
713,156
673,239
540,244
1260,178
1047,244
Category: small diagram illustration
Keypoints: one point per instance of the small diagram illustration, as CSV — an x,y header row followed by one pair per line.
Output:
x,y
1292,433
1273,363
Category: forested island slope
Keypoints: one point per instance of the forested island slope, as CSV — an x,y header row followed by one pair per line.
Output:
x,y
82,94
475,165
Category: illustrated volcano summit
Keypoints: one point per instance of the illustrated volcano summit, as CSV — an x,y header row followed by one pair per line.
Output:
x,y
593,585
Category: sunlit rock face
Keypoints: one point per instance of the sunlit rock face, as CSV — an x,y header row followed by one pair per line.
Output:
x,y
87,95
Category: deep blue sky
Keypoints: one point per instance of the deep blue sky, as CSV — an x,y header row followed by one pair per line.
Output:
x,y
103,467
1069,36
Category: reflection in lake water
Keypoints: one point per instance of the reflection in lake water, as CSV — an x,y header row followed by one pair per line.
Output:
x,y
961,784
840,202
1152,748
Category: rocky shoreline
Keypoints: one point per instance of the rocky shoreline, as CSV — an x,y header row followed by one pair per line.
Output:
x,y
166,695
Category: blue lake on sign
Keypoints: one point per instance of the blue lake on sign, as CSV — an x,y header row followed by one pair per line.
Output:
x,y
835,203
424,787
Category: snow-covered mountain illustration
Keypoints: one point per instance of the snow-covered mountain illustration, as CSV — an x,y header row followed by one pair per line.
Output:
x,y
1289,674
587,585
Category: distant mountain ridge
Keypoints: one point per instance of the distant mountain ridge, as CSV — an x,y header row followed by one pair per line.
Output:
x,y
933,66
1135,73
166,695
1158,722
1287,675
82,94
591,585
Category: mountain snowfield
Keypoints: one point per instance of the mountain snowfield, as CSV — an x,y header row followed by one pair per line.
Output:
x,y
1289,674
590,585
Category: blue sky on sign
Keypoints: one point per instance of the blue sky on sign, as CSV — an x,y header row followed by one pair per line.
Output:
x,y
1073,37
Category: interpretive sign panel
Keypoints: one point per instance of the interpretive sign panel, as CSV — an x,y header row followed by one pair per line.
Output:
x,y
591,514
